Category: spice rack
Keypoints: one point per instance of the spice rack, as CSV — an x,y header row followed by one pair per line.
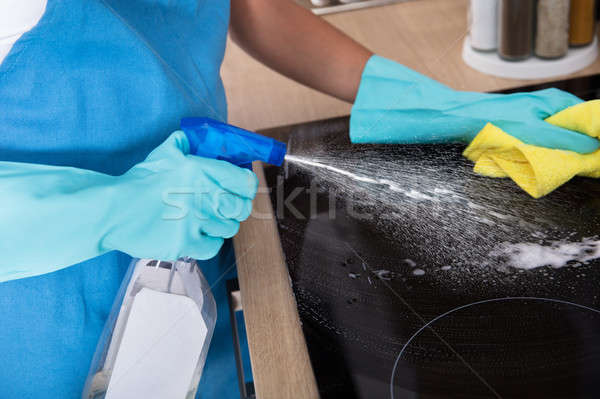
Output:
x,y
532,68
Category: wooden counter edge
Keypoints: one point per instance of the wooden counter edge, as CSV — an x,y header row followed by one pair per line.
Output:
x,y
280,363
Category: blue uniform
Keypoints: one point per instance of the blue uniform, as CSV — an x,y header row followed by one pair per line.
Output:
x,y
97,85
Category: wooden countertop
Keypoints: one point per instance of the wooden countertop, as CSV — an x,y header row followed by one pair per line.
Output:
x,y
280,364
425,35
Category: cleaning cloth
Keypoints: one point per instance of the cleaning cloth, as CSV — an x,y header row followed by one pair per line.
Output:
x,y
538,170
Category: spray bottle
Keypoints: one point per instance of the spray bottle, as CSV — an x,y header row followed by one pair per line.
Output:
x,y
157,335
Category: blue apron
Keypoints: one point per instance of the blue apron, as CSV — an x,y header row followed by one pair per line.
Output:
x,y
97,85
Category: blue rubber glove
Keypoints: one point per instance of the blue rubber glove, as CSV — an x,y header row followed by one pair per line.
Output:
x,y
171,205
395,104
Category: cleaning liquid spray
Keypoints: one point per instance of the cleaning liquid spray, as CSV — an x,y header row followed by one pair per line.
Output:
x,y
157,336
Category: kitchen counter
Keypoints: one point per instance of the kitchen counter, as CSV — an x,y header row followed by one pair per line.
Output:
x,y
278,340
426,35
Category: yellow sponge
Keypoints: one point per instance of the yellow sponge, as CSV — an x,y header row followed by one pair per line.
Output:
x,y
538,170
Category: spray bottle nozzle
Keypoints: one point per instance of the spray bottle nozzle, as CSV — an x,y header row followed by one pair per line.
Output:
x,y
213,139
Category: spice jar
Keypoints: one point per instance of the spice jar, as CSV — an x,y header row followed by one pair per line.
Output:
x,y
483,22
516,28
583,22
552,37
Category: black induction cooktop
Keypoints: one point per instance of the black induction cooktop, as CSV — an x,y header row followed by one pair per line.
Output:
x,y
398,288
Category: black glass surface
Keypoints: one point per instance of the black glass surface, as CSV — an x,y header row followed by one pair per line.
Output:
x,y
375,328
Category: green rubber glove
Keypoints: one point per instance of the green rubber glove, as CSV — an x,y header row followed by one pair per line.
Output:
x,y
171,205
395,104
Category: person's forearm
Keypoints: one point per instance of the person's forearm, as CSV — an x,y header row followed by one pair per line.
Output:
x,y
43,209
299,45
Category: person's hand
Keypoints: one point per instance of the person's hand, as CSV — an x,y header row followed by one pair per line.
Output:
x,y
174,204
398,105
171,205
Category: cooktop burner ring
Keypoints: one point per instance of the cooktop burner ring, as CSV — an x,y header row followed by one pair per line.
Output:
x,y
462,307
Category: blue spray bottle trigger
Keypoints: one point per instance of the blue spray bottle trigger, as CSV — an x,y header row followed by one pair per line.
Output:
x,y
213,139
